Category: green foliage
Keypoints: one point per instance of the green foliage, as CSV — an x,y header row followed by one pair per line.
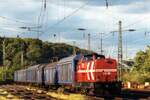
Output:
x,y
140,71
6,73
34,51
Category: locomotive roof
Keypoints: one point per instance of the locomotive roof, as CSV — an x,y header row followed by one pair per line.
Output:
x,y
97,55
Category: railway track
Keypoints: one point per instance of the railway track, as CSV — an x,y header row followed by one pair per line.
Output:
x,y
18,92
128,94
15,92
136,94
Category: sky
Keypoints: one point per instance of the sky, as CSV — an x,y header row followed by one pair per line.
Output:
x,y
64,17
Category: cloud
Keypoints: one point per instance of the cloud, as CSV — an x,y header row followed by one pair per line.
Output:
x,y
136,7
94,17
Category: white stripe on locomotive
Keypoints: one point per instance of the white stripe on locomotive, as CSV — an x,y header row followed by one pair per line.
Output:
x,y
97,70
87,70
92,66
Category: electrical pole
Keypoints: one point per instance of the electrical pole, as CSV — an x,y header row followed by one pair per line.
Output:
x,y
4,52
74,48
106,3
55,38
59,37
89,42
4,57
22,55
126,48
45,4
120,54
101,44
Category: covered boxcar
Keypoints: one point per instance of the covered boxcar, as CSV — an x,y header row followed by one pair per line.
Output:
x,y
40,74
15,76
66,70
20,76
50,77
32,74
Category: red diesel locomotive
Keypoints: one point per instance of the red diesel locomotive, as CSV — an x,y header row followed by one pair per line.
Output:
x,y
99,72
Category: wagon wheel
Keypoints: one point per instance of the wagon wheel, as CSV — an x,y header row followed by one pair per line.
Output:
x,y
60,90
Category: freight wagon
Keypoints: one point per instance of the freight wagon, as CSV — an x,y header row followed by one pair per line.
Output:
x,y
50,74
20,76
66,70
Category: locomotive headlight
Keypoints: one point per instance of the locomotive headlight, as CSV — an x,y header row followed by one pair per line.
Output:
x,y
108,73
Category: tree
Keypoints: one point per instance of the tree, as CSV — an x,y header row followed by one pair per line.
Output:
x,y
140,71
34,51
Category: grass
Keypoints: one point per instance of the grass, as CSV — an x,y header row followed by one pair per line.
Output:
x,y
4,95
68,96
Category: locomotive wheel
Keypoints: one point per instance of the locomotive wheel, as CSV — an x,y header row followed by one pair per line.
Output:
x,y
91,92
84,91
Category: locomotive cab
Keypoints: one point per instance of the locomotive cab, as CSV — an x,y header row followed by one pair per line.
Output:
x,y
97,70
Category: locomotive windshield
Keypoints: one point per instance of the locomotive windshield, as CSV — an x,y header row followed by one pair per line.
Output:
x,y
93,56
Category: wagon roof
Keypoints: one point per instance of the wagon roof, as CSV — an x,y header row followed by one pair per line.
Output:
x,y
37,66
69,59
33,67
51,64
20,70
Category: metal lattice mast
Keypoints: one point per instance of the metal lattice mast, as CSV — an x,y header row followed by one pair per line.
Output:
x,y
4,52
101,43
89,42
74,48
120,54
4,57
22,54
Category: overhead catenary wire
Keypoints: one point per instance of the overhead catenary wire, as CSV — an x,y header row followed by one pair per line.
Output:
x,y
64,11
112,46
10,29
42,18
66,17
14,20
139,40
58,22
137,22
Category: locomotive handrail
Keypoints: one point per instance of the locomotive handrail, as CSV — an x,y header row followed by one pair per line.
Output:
x,y
93,56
